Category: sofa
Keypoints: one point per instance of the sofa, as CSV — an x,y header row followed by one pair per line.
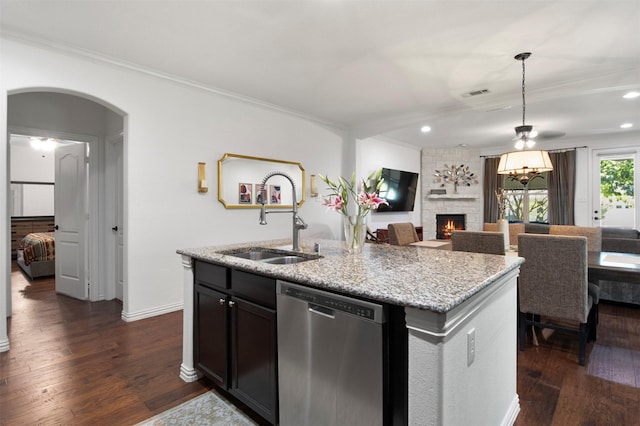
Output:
x,y
619,240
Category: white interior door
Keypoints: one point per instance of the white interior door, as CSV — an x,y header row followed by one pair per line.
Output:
x,y
615,182
119,231
71,215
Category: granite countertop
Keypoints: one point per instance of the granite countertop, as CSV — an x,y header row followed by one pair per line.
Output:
x,y
423,278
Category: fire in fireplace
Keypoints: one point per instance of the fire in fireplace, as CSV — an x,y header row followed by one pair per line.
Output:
x,y
445,223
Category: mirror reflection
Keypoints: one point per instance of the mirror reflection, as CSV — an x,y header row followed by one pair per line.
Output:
x,y
240,178
31,199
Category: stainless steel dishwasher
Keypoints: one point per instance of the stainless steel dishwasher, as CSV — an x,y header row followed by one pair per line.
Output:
x,y
330,358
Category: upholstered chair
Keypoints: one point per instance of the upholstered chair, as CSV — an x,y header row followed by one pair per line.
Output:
x,y
514,230
478,241
593,234
553,288
402,234
594,243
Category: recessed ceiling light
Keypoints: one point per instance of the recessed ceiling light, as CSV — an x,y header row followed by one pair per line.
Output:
x,y
631,95
425,129
626,126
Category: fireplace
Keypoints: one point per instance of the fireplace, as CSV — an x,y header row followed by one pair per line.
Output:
x,y
445,223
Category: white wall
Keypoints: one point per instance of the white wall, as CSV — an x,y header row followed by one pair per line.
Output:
x,y
373,154
169,128
29,165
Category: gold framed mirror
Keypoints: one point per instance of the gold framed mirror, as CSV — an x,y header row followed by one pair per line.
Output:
x,y
240,177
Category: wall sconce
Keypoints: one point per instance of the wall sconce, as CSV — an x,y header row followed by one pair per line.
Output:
x,y
202,178
314,189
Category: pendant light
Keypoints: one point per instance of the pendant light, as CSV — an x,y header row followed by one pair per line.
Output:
x,y
524,165
524,134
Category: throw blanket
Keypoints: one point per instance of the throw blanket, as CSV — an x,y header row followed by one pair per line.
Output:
x,y
38,246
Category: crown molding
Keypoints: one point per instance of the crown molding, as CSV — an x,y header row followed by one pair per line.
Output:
x,y
24,38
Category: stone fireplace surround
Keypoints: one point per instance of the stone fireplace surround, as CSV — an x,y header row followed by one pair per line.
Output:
x,y
467,201
456,221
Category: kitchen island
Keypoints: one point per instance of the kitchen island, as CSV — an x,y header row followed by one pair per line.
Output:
x,y
460,313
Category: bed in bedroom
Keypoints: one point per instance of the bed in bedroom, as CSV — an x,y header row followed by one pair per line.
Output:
x,y
36,254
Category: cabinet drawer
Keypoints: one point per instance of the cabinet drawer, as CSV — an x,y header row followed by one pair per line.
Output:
x,y
255,288
210,274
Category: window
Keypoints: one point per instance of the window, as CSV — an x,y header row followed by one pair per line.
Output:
x,y
538,197
617,198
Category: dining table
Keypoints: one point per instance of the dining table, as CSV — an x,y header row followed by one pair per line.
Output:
x,y
612,266
602,265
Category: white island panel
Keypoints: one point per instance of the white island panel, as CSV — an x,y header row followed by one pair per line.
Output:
x,y
453,383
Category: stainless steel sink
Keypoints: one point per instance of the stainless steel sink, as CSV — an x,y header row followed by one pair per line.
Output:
x,y
256,254
273,256
285,260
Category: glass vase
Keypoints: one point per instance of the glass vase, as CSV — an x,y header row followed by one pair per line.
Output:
x,y
355,231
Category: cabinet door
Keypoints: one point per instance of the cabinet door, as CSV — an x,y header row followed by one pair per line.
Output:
x,y
254,371
210,328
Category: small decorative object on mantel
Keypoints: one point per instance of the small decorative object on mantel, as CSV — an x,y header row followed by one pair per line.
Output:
x,y
354,202
457,175
438,191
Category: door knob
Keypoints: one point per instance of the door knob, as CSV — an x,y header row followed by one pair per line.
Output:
x,y
115,228
221,301
232,303
56,227
596,218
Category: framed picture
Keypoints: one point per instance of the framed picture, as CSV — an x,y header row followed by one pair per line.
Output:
x,y
274,194
260,194
245,192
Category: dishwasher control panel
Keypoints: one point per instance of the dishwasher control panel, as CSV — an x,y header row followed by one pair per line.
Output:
x,y
336,302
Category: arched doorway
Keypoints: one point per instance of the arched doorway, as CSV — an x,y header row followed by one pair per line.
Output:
x,y
77,116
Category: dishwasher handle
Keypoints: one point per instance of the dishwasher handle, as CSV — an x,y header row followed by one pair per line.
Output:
x,y
321,310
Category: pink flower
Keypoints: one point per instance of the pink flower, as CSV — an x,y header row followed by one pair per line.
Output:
x,y
333,204
370,200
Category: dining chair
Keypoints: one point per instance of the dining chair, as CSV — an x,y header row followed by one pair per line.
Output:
x,y
514,230
478,241
594,243
593,234
553,287
402,234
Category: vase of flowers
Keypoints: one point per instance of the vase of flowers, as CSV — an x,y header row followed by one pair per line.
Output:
x,y
503,224
355,231
354,202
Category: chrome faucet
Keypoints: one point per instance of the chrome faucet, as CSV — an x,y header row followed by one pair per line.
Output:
x,y
298,223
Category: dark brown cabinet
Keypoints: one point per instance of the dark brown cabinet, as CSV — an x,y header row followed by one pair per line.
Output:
x,y
235,335
211,326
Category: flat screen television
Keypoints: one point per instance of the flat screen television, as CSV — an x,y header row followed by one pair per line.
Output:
x,y
399,189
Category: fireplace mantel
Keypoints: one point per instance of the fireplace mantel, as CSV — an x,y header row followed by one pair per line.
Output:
x,y
453,196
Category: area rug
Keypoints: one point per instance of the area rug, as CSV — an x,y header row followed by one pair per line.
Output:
x,y
206,409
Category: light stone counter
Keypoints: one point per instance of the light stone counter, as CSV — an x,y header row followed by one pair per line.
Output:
x,y
460,312
417,277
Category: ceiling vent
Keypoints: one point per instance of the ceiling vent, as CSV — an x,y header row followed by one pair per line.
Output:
x,y
475,93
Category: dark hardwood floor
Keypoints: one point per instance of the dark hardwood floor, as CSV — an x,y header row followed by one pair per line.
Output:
x,y
74,362
555,390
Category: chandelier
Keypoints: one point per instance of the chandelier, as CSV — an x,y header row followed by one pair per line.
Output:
x,y
524,134
524,165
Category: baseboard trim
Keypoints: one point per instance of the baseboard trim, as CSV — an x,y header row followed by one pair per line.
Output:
x,y
4,345
152,312
189,374
512,414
